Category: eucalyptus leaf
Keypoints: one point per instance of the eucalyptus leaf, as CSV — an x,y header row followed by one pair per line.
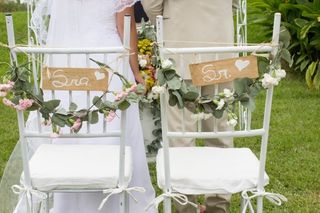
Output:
x,y
179,99
81,113
161,78
172,100
73,106
96,101
174,83
51,105
123,105
58,120
93,117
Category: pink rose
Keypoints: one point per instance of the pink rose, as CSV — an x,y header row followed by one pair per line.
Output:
x,y
6,87
121,95
133,88
24,104
3,93
111,115
8,103
76,125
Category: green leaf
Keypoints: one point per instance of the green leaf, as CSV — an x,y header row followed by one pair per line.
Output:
x,y
140,89
96,101
316,79
305,29
123,105
172,99
174,83
161,78
285,55
310,74
218,113
51,105
61,111
93,117
168,73
73,107
179,98
58,120
242,85
81,113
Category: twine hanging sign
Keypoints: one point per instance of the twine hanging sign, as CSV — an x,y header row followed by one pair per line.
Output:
x,y
84,79
222,71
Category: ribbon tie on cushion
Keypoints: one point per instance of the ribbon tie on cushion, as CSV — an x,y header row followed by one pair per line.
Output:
x,y
179,198
28,192
274,198
119,190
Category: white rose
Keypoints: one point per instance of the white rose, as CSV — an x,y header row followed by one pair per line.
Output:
x,y
152,96
143,63
269,81
158,89
220,104
232,122
227,93
280,73
166,64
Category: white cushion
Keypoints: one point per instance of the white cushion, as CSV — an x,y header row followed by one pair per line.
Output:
x,y
204,170
78,167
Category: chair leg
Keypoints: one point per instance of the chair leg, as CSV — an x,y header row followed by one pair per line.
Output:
x,y
126,202
48,203
260,204
122,203
167,205
242,203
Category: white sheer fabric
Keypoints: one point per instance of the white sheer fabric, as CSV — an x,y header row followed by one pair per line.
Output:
x,y
81,23
42,13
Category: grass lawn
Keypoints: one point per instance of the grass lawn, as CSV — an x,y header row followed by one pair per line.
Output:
x,y
293,158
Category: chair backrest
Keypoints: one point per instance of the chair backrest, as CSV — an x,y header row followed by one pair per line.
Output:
x,y
39,57
271,48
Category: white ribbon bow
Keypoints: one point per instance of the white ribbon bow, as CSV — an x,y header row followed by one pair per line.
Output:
x,y
274,198
119,190
28,192
179,198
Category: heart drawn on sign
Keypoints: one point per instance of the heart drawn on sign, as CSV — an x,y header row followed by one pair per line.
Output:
x,y
241,64
99,75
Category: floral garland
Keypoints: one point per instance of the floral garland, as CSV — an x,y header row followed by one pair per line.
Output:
x,y
245,91
159,75
148,63
18,93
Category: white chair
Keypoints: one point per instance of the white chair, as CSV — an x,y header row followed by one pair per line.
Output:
x,y
209,170
73,168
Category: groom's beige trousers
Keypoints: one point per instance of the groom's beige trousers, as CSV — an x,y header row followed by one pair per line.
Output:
x,y
194,23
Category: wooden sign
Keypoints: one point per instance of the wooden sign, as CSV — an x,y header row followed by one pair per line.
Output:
x,y
62,78
221,71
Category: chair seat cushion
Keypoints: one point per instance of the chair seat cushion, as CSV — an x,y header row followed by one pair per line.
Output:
x,y
55,167
205,170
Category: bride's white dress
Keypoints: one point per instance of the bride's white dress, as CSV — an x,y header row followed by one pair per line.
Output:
x,y
92,23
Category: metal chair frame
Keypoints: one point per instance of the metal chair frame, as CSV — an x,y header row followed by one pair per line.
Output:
x,y
246,132
36,52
